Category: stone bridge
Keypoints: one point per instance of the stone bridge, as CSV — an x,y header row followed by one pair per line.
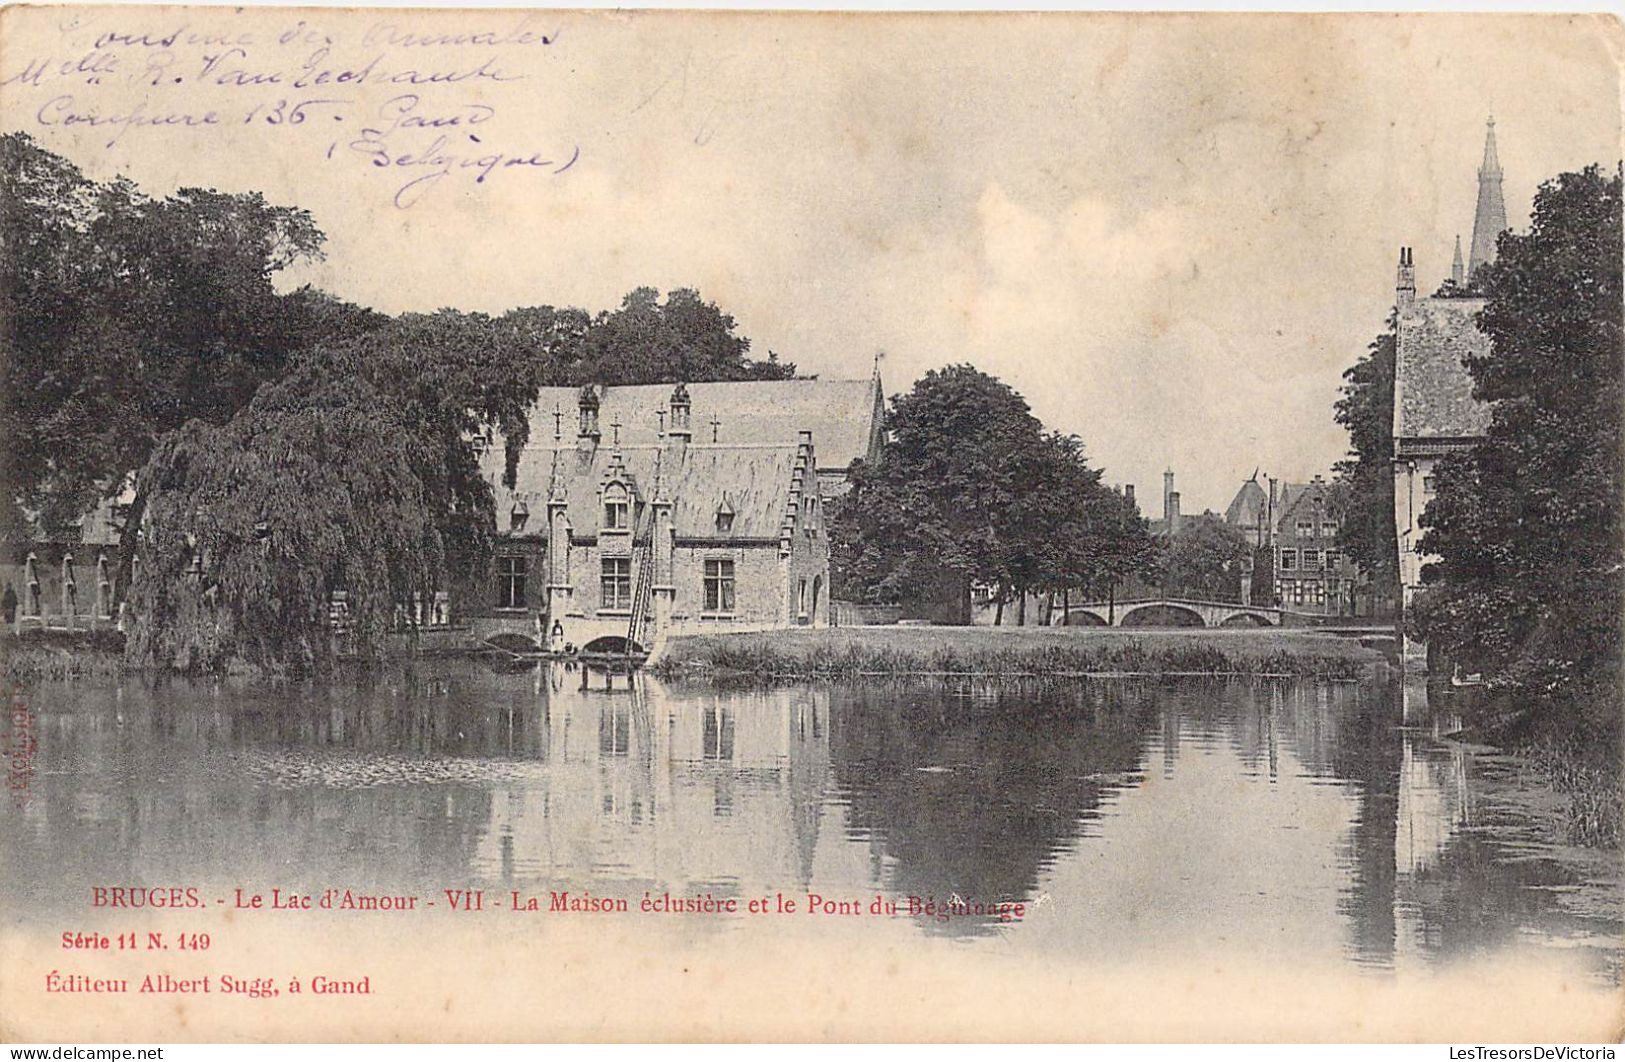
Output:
x,y
1167,612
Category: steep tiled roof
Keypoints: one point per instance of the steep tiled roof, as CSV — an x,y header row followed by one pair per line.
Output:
x,y
843,415
756,480
1294,495
1247,507
1433,393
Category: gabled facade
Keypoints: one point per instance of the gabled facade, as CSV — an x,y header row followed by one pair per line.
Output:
x,y
627,538
1311,573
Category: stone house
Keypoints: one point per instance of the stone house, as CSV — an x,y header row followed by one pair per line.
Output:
x,y
1435,414
63,582
672,509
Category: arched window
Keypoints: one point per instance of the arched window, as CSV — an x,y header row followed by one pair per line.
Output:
x,y
31,595
104,587
616,517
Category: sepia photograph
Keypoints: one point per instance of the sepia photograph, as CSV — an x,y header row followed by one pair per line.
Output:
x,y
545,525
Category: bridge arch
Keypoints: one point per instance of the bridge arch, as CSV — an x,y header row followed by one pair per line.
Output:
x,y
1161,614
1083,617
1246,619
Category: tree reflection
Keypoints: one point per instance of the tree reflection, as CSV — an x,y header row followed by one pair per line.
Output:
x,y
972,790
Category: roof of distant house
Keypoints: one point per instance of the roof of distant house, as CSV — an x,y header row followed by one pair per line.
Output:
x,y
1246,509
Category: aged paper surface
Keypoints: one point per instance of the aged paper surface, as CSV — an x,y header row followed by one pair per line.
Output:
x,y
1171,233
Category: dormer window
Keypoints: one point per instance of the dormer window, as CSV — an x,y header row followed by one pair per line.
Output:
x,y
517,516
615,512
725,515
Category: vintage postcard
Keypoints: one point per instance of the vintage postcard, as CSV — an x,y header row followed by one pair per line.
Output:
x,y
586,525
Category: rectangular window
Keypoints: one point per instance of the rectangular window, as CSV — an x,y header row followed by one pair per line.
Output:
x,y
1297,593
1320,593
801,599
1427,484
511,582
615,588
1289,559
614,515
1328,529
1311,560
1306,529
1331,560
719,586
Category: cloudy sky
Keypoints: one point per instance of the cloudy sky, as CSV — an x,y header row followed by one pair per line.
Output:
x,y
1170,233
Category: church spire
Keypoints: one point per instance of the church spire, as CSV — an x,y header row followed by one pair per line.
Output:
x,y
1457,276
1490,219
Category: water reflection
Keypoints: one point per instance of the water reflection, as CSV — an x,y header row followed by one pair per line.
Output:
x,y
1133,817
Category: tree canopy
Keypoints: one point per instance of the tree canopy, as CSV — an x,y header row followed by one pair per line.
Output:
x,y
127,316
1364,480
1204,560
970,489
1527,524
646,340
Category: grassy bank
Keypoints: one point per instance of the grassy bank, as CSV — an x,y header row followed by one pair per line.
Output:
x,y
38,656
1016,651
1587,779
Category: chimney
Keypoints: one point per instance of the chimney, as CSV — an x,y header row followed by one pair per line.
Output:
x,y
682,430
1405,289
1173,513
587,434
1269,533
1167,497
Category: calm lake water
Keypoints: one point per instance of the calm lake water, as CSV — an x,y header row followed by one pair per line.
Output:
x,y
1133,818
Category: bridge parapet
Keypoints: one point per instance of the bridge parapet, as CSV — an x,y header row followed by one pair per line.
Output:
x,y
1199,613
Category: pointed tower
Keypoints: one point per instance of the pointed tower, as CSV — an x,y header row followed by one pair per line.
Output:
x,y
1490,219
1457,276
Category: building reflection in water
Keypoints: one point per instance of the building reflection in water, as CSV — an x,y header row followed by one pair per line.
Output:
x,y
1283,813
721,793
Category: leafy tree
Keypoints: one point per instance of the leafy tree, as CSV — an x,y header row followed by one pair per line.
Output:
x,y
683,338
314,487
1527,524
931,511
1072,532
972,490
355,472
126,317
1364,481
1204,560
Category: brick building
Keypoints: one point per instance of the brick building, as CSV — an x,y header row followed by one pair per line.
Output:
x,y
1311,574
679,509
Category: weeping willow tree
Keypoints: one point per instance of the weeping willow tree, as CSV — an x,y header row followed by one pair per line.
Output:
x,y
253,524
354,473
